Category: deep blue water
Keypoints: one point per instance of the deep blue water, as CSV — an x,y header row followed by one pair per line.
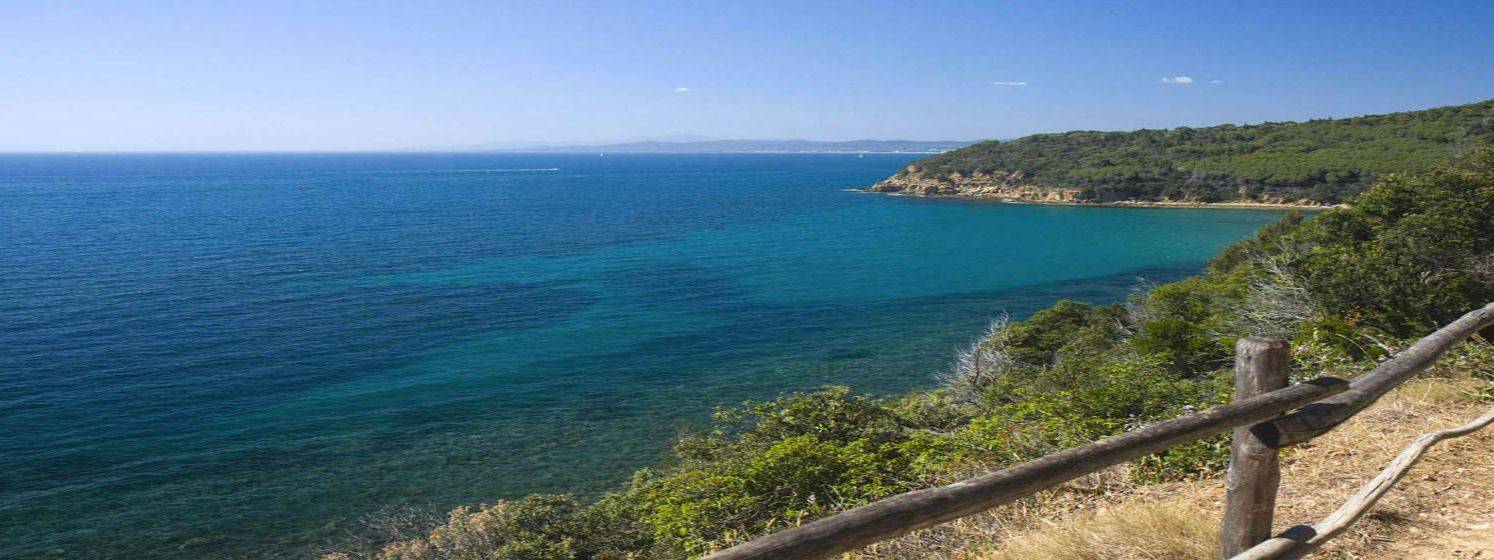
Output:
x,y
208,356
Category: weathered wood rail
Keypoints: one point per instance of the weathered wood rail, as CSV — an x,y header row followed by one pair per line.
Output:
x,y
1261,367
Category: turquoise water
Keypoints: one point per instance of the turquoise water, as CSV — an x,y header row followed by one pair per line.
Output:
x,y
239,355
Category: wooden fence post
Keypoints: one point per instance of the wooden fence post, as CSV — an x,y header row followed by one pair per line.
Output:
x,y
1261,366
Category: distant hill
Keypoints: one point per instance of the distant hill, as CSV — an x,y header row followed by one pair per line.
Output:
x,y
722,146
1319,161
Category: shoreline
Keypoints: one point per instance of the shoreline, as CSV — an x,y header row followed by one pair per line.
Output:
x,y
1236,205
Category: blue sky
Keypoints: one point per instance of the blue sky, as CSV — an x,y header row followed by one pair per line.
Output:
x,y
367,75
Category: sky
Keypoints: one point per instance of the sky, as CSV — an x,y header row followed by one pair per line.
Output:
x,y
366,75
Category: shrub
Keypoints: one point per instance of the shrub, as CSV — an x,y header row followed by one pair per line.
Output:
x,y
771,464
538,527
1037,340
1413,253
1182,324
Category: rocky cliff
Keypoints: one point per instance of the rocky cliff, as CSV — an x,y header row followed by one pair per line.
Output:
x,y
1010,186
1015,186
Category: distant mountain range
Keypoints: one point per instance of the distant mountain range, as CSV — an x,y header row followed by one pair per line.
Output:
x,y
764,146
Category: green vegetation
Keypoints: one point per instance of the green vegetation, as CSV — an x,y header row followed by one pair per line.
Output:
x,y
1326,161
1414,252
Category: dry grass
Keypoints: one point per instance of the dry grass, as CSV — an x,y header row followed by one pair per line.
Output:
x,y
1166,530
1449,491
1444,509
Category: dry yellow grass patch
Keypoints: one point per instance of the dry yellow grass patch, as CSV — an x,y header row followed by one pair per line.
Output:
x,y
1168,530
1444,509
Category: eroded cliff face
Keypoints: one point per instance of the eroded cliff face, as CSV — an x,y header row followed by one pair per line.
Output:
x,y
1012,186
1015,186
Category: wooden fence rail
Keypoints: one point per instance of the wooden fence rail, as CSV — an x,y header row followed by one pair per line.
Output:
x,y
1318,418
1262,364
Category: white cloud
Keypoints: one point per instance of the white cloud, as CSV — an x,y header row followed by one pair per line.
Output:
x,y
1178,80
681,90
1216,81
1008,83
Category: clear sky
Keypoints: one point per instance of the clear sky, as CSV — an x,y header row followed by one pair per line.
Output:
x,y
368,75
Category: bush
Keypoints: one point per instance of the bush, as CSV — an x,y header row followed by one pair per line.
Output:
x,y
1185,324
538,527
1038,339
1078,401
1413,253
771,464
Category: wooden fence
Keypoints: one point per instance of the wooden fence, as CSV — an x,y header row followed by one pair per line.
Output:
x,y
1260,429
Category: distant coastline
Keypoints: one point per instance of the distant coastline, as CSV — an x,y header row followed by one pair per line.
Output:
x,y
842,152
713,146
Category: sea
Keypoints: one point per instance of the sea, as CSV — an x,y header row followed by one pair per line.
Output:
x,y
248,355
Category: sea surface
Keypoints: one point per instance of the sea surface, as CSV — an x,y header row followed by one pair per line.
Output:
x,y
238,356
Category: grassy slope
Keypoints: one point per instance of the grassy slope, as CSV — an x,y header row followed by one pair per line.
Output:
x,y
1320,160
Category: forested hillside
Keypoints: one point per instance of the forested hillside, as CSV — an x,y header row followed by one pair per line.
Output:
x,y
1321,161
